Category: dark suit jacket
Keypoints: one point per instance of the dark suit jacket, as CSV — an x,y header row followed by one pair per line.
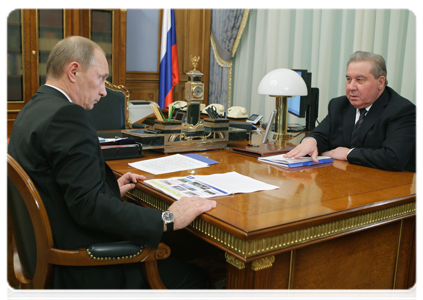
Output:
x,y
387,136
55,141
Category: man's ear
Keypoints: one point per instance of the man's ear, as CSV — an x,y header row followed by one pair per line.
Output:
x,y
72,71
382,80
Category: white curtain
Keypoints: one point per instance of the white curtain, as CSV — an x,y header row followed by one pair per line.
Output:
x,y
322,41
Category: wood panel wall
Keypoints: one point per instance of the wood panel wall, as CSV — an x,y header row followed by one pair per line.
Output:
x,y
193,39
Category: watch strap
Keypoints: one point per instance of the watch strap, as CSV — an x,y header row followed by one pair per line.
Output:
x,y
169,226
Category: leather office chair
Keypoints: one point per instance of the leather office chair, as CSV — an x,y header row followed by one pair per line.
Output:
x,y
111,112
33,250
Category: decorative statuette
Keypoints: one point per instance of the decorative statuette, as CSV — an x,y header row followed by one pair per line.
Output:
x,y
194,61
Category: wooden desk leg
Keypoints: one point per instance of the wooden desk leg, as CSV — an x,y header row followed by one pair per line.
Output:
x,y
254,275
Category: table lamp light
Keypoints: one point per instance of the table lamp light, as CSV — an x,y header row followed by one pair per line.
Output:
x,y
282,83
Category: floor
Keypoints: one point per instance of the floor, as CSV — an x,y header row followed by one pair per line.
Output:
x,y
187,247
215,266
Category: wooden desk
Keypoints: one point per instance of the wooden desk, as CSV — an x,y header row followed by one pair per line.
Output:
x,y
335,227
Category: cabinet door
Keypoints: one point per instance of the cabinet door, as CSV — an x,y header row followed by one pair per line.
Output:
x,y
107,27
15,58
101,32
31,36
50,32
19,55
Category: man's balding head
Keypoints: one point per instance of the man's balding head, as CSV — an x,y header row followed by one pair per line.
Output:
x,y
74,48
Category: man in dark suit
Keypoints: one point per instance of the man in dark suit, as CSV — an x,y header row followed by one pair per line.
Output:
x,y
55,141
370,126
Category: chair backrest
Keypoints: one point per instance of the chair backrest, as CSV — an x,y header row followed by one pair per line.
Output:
x,y
111,112
30,225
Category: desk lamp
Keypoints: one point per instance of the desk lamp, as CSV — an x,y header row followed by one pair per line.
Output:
x,y
282,83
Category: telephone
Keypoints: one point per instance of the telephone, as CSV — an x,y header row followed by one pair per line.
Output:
x,y
182,105
237,112
220,109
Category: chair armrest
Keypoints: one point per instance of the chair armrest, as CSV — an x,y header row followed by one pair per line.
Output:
x,y
82,258
117,250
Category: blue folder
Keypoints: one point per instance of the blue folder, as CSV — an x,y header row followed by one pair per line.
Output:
x,y
202,158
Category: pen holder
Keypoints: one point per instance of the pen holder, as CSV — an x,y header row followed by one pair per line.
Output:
x,y
172,126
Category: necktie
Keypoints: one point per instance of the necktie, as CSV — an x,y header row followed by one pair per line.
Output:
x,y
357,127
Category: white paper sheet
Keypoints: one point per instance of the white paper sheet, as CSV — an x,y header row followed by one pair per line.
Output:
x,y
208,186
168,164
235,182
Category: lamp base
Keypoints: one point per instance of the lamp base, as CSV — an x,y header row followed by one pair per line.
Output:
x,y
284,137
281,141
282,118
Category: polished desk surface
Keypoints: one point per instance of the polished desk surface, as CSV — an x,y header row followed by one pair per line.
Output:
x,y
304,198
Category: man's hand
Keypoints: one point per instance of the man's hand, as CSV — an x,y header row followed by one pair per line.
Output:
x,y
128,181
339,153
307,147
187,209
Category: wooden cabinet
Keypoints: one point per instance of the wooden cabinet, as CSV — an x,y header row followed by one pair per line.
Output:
x,y
33,33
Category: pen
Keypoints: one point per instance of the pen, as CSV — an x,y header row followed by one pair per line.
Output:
x,y
161,113
169,117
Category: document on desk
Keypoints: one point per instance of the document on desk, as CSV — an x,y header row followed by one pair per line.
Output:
x,y
288,163
168,164
208,186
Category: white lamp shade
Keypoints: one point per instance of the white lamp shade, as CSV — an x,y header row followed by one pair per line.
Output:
x,y
282,82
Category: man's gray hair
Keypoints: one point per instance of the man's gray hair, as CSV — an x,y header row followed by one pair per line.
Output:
x,y
74,48
379,65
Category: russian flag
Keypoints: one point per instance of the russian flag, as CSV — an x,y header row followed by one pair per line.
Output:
x,y
169,70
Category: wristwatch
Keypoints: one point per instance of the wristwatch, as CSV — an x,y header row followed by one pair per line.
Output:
x,y
168,218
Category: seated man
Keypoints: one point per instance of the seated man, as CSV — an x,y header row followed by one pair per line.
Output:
x,y
370,126
55,141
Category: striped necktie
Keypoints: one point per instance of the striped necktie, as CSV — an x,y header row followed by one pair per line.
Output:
x,y
357,127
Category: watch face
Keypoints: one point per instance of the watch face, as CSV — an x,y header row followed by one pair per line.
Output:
x,y
168,217
197,91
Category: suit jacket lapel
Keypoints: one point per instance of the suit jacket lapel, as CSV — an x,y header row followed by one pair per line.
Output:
x,y
349,121
373,115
